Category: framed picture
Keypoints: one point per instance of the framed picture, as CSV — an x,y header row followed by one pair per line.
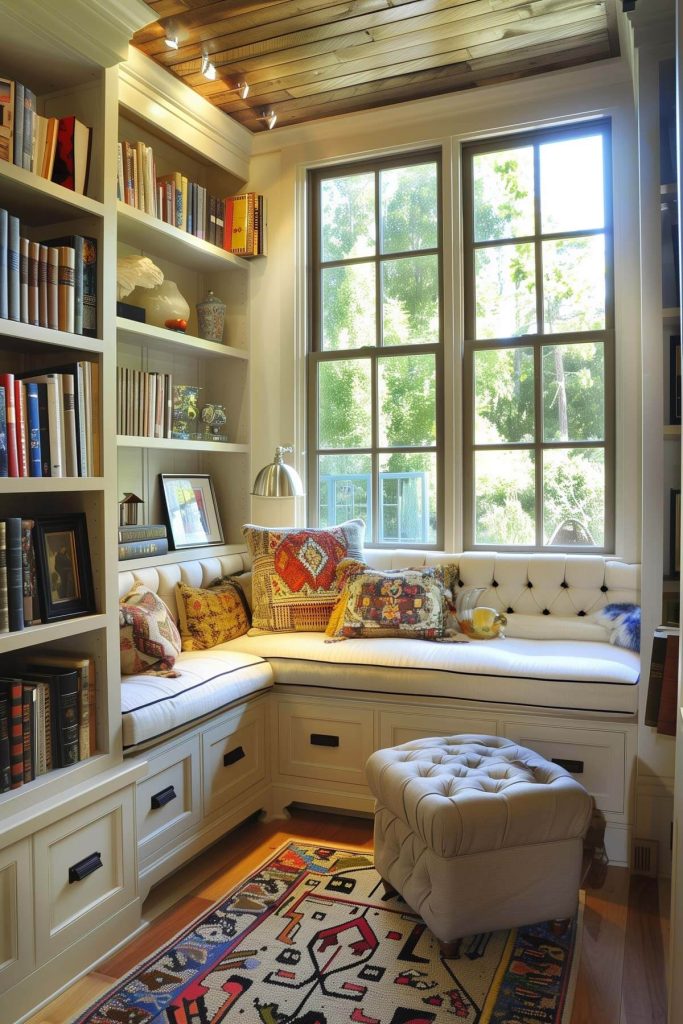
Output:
x,y
191,510
675,534
675,378
64,572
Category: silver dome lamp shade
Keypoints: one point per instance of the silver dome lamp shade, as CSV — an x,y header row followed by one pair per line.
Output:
x,y
277,479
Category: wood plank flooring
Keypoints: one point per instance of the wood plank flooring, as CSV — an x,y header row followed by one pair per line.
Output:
x,y
623,955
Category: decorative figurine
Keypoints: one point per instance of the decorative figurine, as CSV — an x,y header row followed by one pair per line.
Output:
x,y
214,419
128,509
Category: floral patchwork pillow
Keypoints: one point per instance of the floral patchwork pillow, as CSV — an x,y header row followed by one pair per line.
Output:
x,y
408,603
211,615
294,573
149,640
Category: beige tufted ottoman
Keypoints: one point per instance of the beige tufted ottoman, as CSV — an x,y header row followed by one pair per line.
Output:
x,y
477,833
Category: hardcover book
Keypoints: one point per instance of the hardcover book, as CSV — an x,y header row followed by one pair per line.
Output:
x,y
4,614
5,780
14,692
142,548
13,296
64,724
35,462
18,147
143,531
7,382
6,119
29,730
4,301
72,157
84,667
3,433
15,592
29,577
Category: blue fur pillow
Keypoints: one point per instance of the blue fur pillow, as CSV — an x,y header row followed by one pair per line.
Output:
x,y
623,621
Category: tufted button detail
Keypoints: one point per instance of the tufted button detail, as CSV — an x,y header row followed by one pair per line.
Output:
x,y
494,583
509,611
546,612
529,584
564,585
581,613
604,588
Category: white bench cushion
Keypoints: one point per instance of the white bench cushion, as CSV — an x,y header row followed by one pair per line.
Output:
x,y
207,681
581,675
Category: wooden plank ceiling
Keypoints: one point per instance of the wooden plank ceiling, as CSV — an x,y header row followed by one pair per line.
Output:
x,y
306,59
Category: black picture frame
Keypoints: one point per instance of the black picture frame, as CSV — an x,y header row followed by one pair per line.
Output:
x,y
675,533
65,585
191,510
675,379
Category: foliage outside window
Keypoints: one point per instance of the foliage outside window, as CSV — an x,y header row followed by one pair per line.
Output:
x,y
374,364
539,340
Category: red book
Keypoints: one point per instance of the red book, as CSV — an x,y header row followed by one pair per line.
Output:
x,y
72,155
14,690
7,382
20,414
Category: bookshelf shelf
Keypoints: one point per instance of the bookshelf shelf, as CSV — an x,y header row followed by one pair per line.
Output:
x,y
173,444
161,339
34,338
151,235
50,484
38,201
32,636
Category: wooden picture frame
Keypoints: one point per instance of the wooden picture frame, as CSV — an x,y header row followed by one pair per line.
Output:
x,y
191,510
675,379
675,533
65,586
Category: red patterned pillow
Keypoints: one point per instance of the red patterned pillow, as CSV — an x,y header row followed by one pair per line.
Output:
x,y
295,573
148,637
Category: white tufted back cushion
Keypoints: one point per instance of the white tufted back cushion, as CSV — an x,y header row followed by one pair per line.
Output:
x,y
565,587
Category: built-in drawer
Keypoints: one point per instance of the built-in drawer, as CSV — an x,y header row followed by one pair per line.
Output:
x,y
16,913
397,727
234,758
168,800
320,741
85,871
595,757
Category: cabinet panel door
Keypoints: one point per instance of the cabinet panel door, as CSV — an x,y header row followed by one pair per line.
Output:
x,y
397,727
86,866
168,800
234,758
596,758
16,913
320,741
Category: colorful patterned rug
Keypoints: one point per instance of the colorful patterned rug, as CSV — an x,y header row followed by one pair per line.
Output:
x,y
311,938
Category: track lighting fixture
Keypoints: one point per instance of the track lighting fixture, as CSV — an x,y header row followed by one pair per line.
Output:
x,y
171,42
242,89
208,68
269,116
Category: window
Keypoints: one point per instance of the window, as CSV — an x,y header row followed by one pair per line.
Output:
x,y
539,342
375,357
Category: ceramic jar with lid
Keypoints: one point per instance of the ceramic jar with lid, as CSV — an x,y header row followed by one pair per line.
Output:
x,y
211,318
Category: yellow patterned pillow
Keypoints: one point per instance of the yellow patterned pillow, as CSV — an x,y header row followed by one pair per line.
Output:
x,y
212,615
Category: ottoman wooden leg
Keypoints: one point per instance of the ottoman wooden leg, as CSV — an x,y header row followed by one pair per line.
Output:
x,y
560,925
449,949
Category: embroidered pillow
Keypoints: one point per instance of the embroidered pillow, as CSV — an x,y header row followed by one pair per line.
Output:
x,y
623,622
148,637
408,603
211,615
294,573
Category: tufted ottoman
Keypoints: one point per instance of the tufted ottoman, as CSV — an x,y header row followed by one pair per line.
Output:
x,y
477,833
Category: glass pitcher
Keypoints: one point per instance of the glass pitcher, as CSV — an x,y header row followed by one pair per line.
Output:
x,y
478,623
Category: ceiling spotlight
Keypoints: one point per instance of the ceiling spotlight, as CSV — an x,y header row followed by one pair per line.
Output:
x,y
171,42
269,116
242,89
208,68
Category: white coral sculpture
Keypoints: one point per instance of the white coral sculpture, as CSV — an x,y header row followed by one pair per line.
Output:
x,y
136,271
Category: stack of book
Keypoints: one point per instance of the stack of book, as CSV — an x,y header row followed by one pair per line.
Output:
x,y
142,541
49,283
55,148
47,426
661,709
47,717
235,223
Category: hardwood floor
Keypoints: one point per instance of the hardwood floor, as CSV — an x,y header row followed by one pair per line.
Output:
x,y
625,934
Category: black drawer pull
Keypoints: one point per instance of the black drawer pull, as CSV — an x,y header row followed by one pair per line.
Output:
x,y
85,867
320,739
575,767
164,796
233,755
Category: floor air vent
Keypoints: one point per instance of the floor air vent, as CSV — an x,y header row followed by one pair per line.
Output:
x,y
644,857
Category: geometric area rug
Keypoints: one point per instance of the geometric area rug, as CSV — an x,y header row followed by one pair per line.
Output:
x,y
310,937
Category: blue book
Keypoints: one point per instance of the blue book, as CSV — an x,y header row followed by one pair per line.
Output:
x,y
3,434
4,307
13,290
35,461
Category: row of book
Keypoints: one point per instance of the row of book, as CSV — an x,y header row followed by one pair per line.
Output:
x,y
47,425
234,223
55,148
50,283
148,404
661,707
47,717
19,592
142,541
